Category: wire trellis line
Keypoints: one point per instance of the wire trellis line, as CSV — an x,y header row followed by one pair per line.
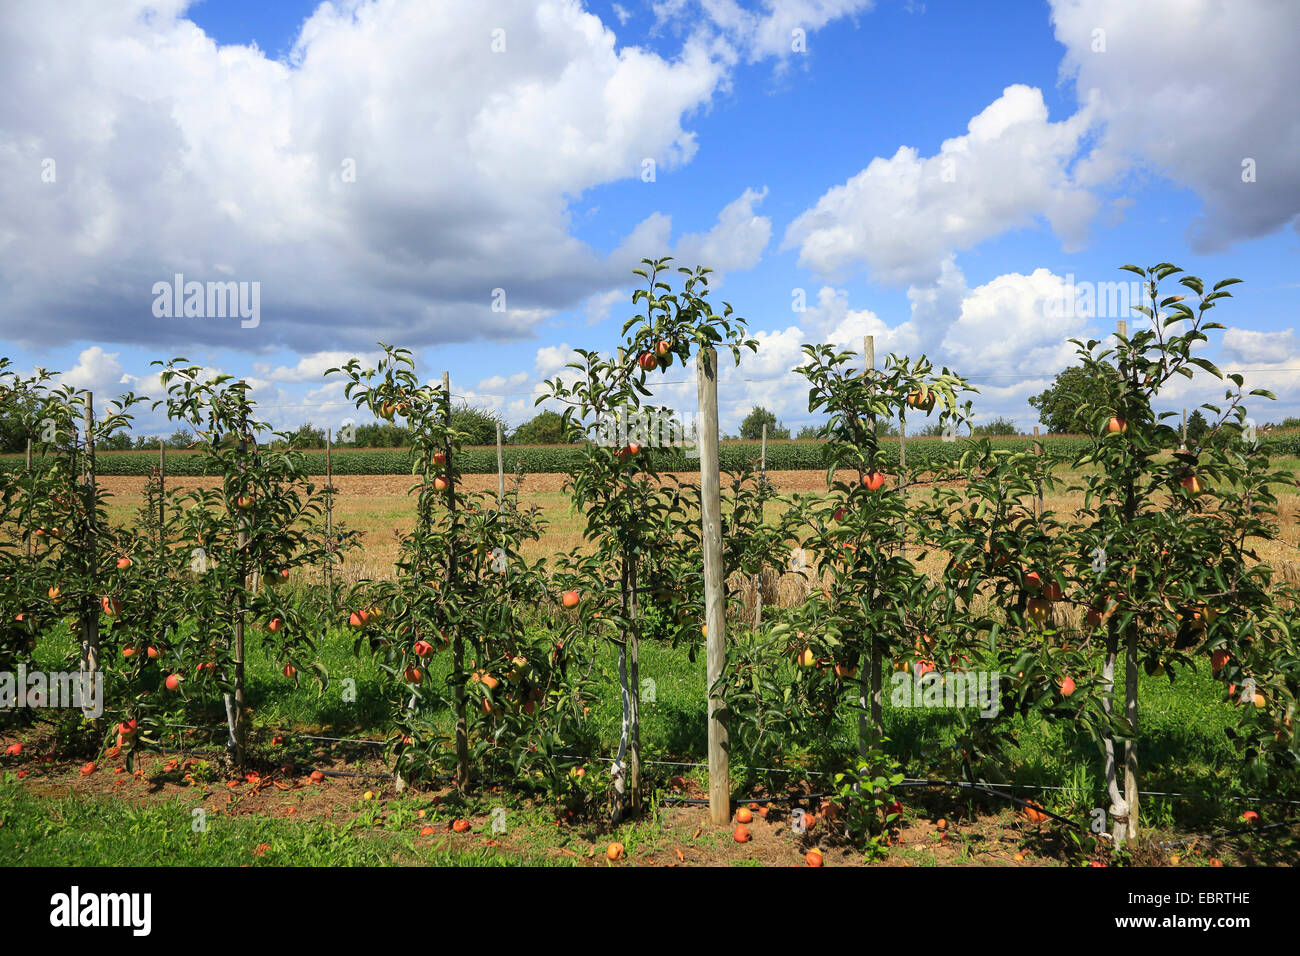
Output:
x,y
907,781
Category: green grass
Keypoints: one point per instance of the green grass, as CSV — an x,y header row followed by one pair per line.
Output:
x,y
1183,743
102,831
1183,750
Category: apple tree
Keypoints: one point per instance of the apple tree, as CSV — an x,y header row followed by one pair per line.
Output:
x,y
465,590
234,547
876,604
632,514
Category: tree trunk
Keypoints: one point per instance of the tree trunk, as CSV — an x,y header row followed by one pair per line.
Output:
x,y
1118,805
1131,744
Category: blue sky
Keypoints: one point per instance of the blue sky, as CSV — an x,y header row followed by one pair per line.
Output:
x,y
931,173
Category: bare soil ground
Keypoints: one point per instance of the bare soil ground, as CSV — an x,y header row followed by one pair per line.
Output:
x,y
936,830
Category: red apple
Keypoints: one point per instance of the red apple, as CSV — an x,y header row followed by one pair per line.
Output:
x,y
123,563
1067,687
173,681
873,481
570,599
423,648
440,458
1116,426
648,361
924,402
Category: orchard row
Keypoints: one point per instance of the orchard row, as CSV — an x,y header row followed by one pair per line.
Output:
x,y
1159,562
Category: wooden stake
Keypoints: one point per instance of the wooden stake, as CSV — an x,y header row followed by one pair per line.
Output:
x,y
235,710
1038,451
27,531
89,610
902,479
162,491
715,617
1131,662
329,514
501,471
870,682
458,642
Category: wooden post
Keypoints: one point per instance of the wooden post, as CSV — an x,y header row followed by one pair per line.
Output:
x,y
329,514
1182,445
27,531
762,461
715,606
235,710
1131,656
869,686
89,608
632,646
457,639
162,490
1038,451
501,471
902,478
